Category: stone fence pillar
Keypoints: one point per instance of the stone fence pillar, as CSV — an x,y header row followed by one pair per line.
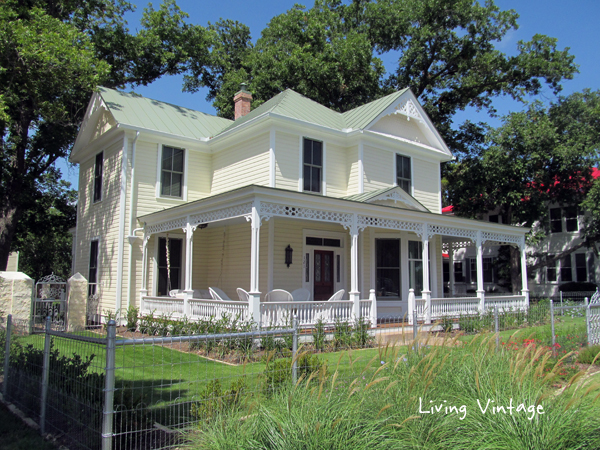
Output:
x,y
16,295
77,292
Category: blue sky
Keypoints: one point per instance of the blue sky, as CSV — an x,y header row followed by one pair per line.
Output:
x,y
574,23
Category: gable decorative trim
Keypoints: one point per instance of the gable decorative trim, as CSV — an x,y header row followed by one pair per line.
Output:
x,y
409,110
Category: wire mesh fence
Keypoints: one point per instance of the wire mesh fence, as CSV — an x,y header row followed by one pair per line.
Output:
x,y
158,377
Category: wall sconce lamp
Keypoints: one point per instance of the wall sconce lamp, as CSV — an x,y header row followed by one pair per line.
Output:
x,y
288,255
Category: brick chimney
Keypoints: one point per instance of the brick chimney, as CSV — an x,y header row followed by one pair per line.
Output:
x,y
242,101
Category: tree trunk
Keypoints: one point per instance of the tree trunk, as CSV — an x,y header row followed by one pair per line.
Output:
x,y
9,217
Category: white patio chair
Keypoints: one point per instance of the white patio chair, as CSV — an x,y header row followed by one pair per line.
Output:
x,y
278,295
218,294
337,296
176,293
243,295
301,295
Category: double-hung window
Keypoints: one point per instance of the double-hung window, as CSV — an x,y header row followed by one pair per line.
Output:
x,y
415,266
551,272
98,168
571,219
312,171
555,220
565,269
403,178
171,173
581,267
93,268
388,267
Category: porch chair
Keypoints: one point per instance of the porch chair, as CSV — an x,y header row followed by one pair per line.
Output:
x,y
278,295
218,294
243,295
201,294
337,296
176,293
301,295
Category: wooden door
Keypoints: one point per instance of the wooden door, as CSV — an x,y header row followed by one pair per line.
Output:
x,y
323,274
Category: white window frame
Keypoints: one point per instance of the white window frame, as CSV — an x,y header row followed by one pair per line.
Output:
x,y
94,200
412,168
323,167
184,184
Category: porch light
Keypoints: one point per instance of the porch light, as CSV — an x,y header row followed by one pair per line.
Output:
x,y
288,255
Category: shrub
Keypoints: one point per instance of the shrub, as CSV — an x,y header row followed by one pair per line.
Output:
x,y
587,355
577,286
215,400
447,323
132,318
342,334
361,336
319,335
469,323
279,371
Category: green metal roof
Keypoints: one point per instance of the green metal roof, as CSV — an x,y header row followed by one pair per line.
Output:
x,y
151,114
362,116
137,111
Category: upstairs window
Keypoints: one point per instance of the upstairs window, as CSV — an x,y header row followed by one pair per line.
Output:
x,y
555,220
171,175
312,165
571,218
403,178
98,166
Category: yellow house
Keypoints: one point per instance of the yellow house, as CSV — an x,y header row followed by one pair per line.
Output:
x,y
291,195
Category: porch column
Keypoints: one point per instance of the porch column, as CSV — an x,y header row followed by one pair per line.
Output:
x,y
426,293
354,293
188,292
254,294
524,290
480,290
144,289
451,268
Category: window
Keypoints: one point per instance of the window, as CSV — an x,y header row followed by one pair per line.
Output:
x,y
313,165
171,175
169,279
415,266
488,270
551,271
581,266
403,172
565,269
93,269
458,272
446,271
98,177
327,242
473,271
388,267
571,219
555,220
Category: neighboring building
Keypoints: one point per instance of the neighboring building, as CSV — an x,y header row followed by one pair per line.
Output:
x,y
355,196
565,223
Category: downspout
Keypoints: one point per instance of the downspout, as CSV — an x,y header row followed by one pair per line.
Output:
x,y
121,250
131,238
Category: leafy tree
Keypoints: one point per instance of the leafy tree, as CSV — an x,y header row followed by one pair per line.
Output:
x,y
537,156
43,238
53,54
445,49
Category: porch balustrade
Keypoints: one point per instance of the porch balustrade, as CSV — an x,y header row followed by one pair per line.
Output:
x,y
455,307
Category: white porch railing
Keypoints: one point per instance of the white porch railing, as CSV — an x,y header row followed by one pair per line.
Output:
x,y
272,314
455,307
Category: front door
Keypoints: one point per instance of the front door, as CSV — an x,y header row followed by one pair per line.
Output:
x,y
323,275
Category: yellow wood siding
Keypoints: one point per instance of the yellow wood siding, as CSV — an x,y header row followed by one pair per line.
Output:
x,y
352,170
198,175
379,168
100,220
336,171
426,181
241,165
287,163
399,126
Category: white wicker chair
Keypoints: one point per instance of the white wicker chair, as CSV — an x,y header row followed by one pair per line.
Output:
x,y
301,295
278,295
218,294
243,295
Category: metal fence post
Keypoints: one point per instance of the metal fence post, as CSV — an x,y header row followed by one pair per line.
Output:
x,y
552,324
562,312
588,312
109,387
415,331
295,350
497,327
45,377
7,355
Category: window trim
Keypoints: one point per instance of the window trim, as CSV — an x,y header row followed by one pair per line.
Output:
x,y
410,158
184,185
98,179
323,182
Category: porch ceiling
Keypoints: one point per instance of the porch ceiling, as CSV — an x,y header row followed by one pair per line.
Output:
x,y
269,202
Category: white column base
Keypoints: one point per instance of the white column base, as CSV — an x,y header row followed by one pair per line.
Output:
x,y
427,296
481,296
373,299
254,308
355,299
